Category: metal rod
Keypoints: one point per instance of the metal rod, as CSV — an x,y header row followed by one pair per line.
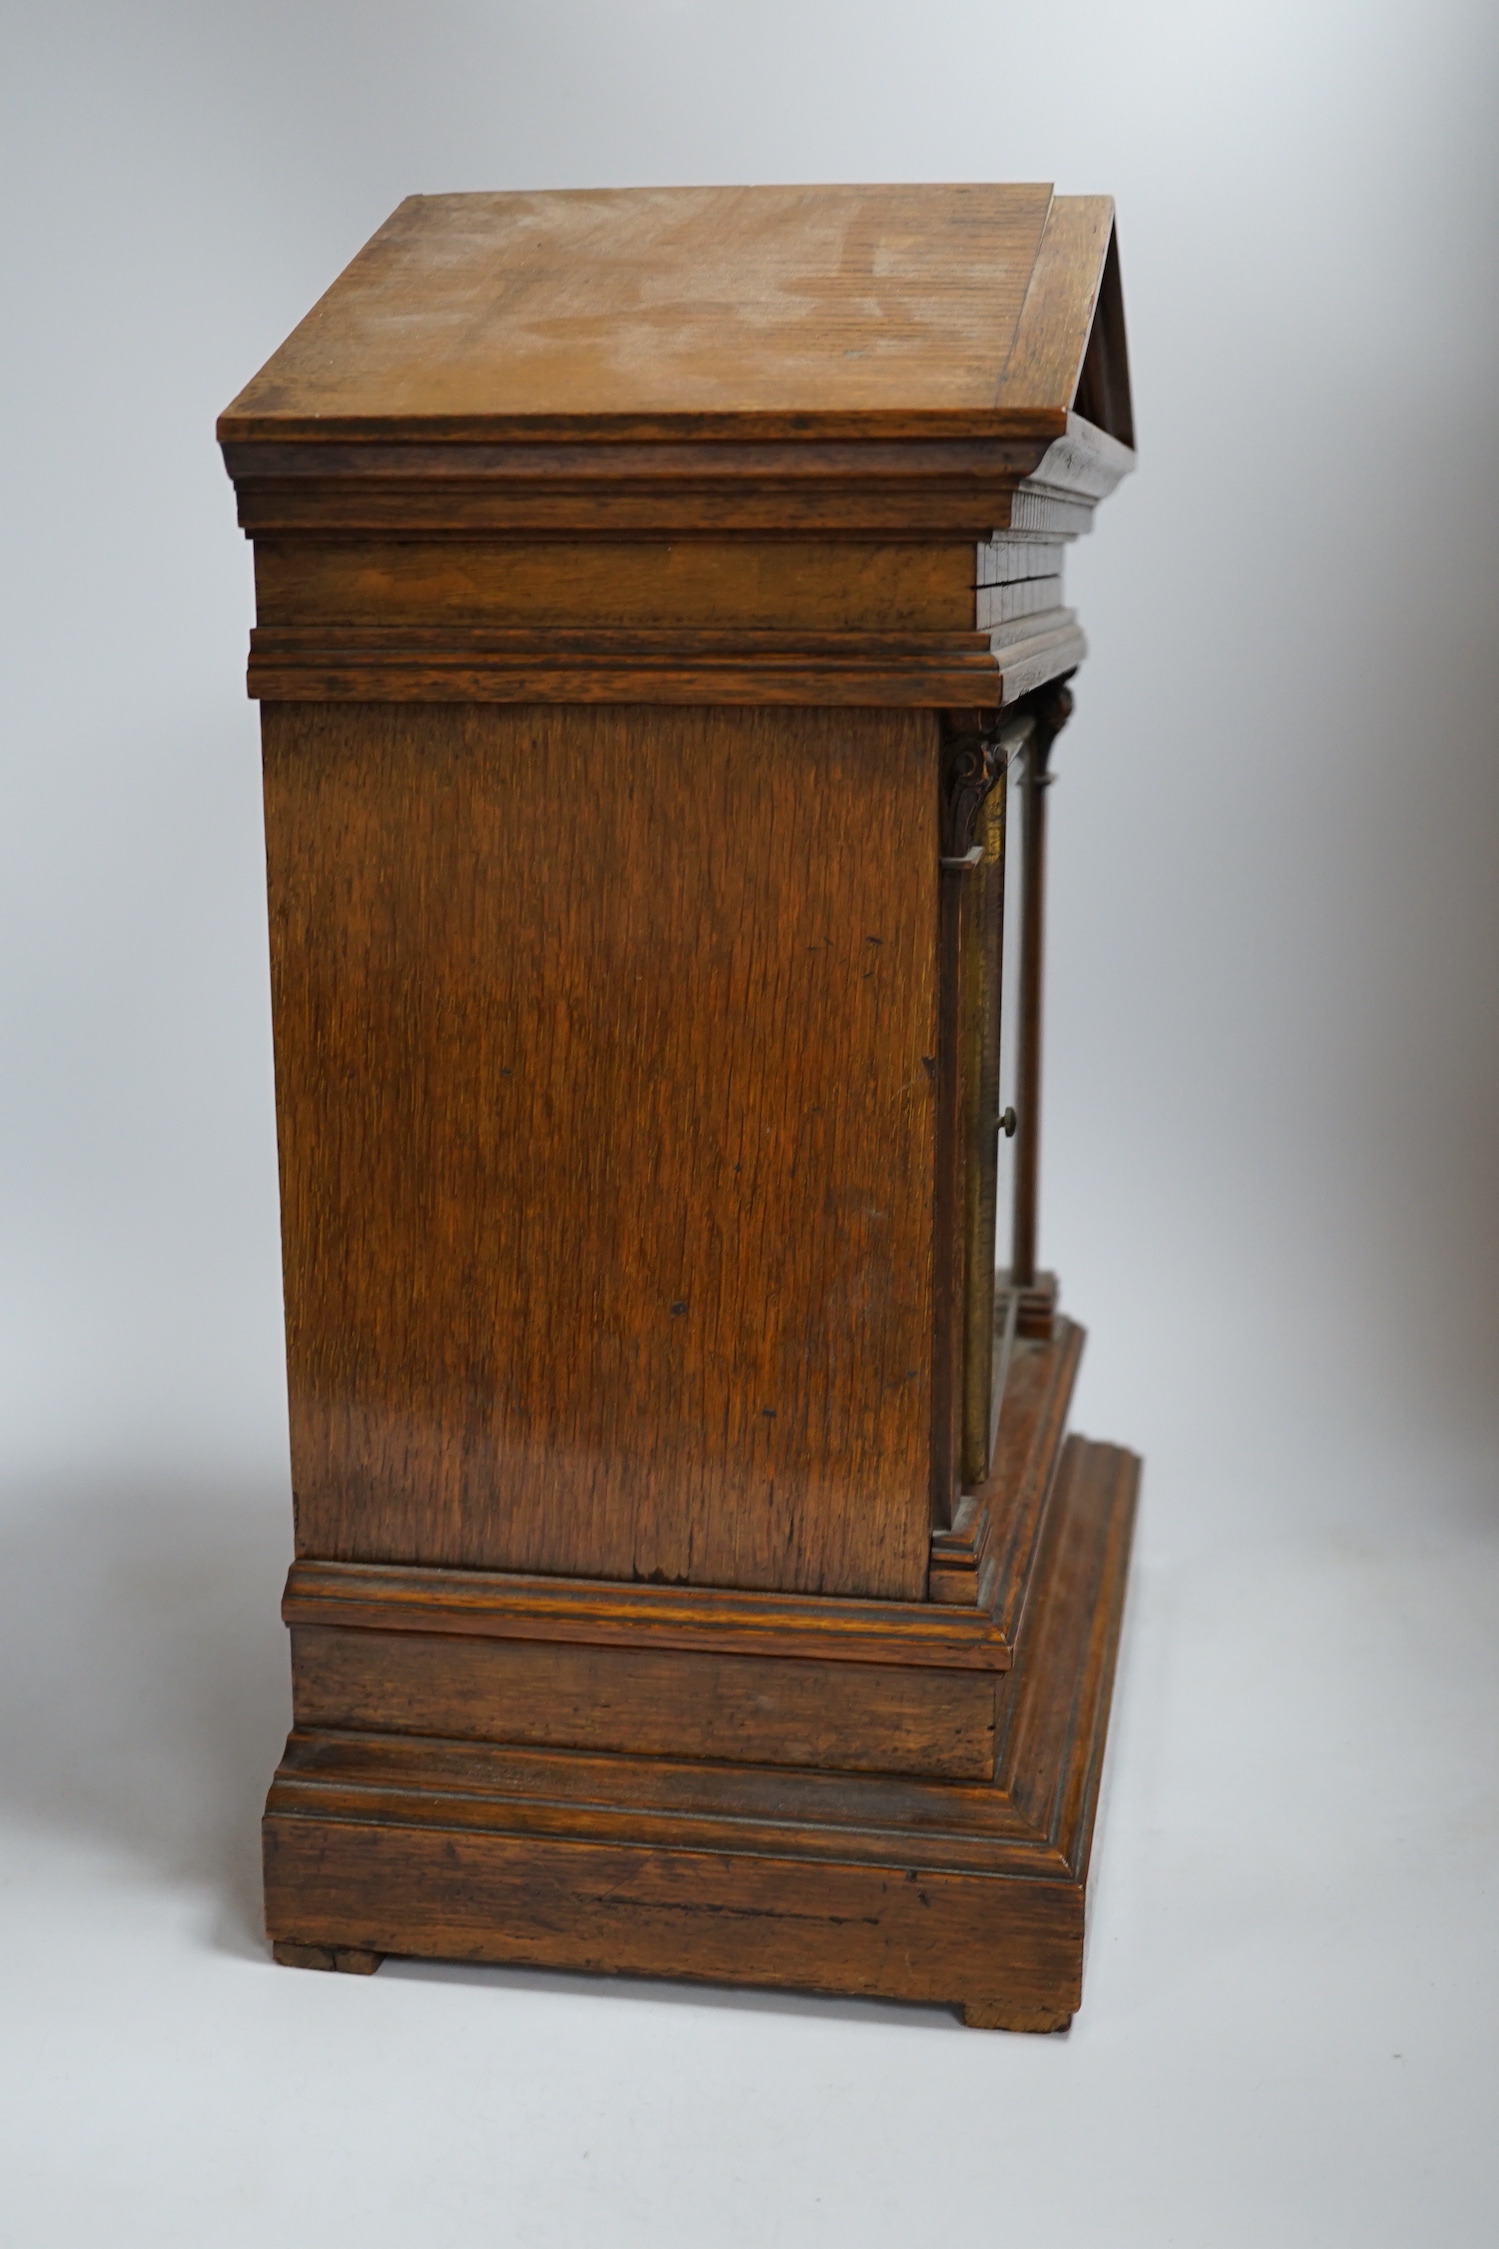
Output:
x,y
1052,705
947,1386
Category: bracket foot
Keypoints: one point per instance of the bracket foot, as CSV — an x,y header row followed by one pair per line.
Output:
x,y
343,1959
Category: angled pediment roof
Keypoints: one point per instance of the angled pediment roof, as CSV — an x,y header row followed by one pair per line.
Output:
x,y
787,312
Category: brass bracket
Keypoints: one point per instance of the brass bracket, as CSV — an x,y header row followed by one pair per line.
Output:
x,y
975,762
976,758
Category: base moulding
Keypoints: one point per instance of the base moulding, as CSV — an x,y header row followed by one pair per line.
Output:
x,y
952,1892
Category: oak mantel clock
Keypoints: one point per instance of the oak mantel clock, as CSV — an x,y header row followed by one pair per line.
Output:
x,y
660,645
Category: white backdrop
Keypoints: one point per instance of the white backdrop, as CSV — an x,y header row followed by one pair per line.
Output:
x,y
1273,1084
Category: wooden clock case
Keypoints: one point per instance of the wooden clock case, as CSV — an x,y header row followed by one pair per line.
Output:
x,y
660,648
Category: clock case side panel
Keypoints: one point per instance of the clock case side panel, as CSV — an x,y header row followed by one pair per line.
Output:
x,y
605,1045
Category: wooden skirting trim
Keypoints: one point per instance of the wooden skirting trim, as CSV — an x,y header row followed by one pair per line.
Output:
x,y
400,1597
334,663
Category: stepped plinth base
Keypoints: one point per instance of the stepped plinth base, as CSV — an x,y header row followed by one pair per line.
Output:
x,y
898,1885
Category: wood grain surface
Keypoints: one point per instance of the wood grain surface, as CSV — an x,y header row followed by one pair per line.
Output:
x,y
659,1702
807,585
605,1077
640,306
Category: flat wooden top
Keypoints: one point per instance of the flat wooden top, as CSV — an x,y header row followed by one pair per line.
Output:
x,y
766,311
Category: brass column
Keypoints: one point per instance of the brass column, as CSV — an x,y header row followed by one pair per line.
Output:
x,y
1052,706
